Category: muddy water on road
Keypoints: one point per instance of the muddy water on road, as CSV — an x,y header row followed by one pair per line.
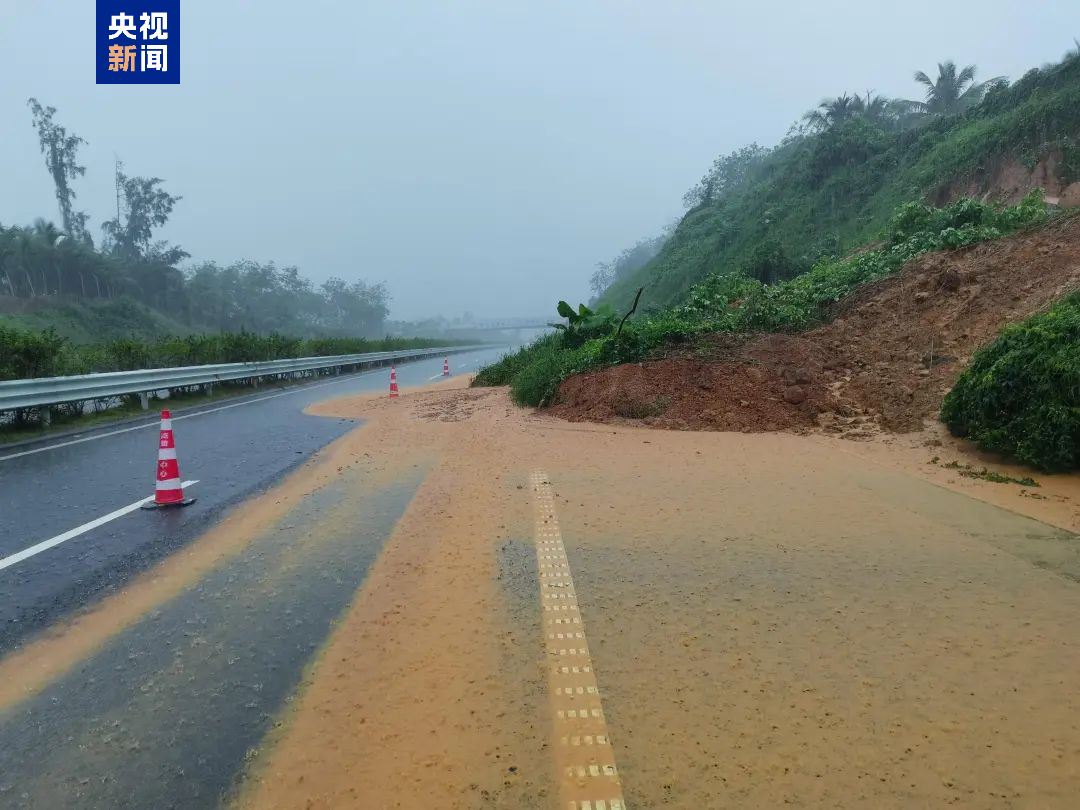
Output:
x,y
771,621
431,691
165,714
823,636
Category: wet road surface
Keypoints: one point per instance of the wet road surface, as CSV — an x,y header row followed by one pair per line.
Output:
x,y
233,452
185,694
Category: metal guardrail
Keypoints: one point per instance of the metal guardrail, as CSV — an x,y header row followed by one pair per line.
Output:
x,y
40,391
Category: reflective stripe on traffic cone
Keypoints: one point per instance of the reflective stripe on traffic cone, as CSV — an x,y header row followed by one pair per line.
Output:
x,y
168,491
393,382
446,367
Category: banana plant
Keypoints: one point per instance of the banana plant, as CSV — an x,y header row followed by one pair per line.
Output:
x,y
584,323
573,318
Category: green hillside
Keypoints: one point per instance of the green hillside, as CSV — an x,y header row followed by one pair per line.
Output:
x,y
830,188
86,321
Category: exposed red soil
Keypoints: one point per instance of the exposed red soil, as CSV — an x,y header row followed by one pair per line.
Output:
x,y
1009,180
892,352
690,394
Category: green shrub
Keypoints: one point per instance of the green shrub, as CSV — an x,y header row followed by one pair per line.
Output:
x,y
30,354
1021,393
128,354
503,371
769,263
25,353
537,382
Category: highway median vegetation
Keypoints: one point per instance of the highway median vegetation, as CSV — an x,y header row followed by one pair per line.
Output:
x,y
25,354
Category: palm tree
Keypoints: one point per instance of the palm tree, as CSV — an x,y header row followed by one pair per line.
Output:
x,y
20,257
888,113
48,237
875,107
833,111
953,91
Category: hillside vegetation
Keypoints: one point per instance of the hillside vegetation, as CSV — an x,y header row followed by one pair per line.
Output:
x,y
90,321
772,214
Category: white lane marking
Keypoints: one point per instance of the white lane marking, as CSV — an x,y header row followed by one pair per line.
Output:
x,y
157,424
106,435
45,545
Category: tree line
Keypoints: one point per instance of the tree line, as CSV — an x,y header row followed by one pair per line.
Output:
x,y
43,260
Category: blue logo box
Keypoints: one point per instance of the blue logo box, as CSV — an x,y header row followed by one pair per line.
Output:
x,y
137,42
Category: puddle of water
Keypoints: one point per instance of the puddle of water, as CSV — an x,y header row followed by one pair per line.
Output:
x,y
168,712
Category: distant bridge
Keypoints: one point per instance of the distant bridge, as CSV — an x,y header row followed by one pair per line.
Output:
x,y
504,325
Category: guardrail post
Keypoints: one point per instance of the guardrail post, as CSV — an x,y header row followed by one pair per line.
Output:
x,y
46,416
209,389
254,382
144,400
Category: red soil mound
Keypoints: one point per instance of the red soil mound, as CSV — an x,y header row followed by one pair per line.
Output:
x,y
692,394
891,353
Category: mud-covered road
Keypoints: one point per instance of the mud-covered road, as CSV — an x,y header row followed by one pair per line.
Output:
x,y
460,604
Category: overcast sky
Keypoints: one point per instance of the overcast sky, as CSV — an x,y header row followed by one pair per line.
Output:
x,y
477,155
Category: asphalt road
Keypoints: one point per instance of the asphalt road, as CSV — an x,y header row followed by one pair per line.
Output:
x,y
233,450
187,692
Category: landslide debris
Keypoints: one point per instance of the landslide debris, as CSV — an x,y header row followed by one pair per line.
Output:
x,y
885,361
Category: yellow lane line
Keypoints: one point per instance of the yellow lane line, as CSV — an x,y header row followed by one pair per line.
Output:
x,y
587,774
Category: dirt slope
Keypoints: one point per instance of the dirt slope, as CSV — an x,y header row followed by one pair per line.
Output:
x,y
891,353
1009,180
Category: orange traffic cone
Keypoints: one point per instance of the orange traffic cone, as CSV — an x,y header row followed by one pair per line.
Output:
x,y
393,382
168,491
446,367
